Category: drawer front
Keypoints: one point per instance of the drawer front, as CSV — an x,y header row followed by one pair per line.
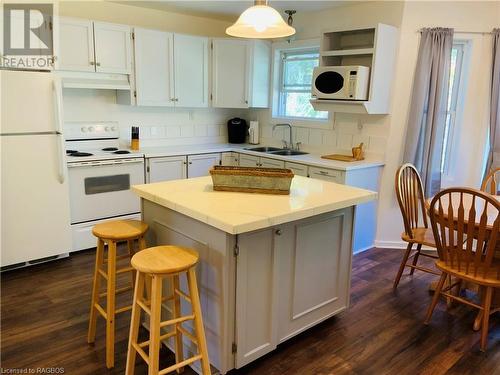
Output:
x,y
297,169
249,161
332,175
271,163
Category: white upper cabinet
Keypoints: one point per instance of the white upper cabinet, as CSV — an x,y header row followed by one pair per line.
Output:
x,y
87,46
112,48
240,73
191,70
170,69
230,73
75,46
154,67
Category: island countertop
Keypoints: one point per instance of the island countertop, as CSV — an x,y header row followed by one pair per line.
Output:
x,y
236,213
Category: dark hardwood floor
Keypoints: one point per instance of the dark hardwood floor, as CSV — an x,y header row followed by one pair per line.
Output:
x,y
44,313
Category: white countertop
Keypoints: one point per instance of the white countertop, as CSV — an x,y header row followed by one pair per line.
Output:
x,y
309,159
236,213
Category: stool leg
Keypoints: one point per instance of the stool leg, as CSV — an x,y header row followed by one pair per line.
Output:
x,y
95,291
154,325
110,306
142,246
131,252
198,320
179,355
134,324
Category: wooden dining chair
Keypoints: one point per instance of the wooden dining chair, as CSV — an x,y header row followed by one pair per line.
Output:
x,y
491,182
462,221
410,195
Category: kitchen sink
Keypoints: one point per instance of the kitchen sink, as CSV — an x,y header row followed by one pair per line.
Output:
x,y
264,149
288,152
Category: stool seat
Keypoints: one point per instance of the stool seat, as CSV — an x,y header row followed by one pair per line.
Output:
x,y
164,259
120,229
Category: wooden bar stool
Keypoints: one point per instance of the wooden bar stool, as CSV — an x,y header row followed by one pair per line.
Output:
x,y
159,262
111,233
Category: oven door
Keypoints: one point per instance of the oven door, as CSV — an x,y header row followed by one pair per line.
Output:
x,y
101,189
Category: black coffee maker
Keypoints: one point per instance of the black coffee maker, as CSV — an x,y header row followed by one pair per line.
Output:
x,y
237,130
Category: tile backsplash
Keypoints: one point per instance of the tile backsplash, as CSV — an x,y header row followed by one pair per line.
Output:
x,y
158,126
340,135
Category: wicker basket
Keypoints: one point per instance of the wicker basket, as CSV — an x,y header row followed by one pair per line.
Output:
x,y
252,180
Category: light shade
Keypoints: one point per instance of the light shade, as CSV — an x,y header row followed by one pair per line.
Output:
x,y
260,22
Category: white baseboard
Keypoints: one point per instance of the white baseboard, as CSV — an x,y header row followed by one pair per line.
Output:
x,y
397,245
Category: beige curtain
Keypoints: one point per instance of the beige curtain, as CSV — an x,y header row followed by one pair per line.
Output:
x,y
427,116
494,151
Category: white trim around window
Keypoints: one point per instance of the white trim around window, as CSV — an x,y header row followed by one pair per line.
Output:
x,y
277,50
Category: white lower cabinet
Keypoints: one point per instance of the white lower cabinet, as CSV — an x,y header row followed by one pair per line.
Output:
x,y
230,159
200,165
297,169
166,168
290,278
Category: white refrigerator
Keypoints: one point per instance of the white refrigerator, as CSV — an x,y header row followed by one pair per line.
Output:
x,y
35,216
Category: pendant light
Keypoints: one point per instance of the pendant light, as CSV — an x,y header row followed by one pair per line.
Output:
x,y
260,22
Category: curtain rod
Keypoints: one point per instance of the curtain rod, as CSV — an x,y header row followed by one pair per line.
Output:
x,y
465,32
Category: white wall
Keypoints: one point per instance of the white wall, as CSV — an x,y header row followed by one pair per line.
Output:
x,y
463,16
163,126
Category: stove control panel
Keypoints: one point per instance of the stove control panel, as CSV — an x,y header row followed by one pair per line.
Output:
x,y
91,130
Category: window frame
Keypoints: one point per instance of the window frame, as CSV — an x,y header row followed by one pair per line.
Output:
x,y
277,77
456,107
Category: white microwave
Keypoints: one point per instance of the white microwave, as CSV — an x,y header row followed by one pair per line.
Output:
x,y
341,82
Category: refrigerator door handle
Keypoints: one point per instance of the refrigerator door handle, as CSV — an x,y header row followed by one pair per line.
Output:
x,y
57,90
61,158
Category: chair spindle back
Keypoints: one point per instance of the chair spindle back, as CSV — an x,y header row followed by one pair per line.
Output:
x,y
491,181
465,239
410,195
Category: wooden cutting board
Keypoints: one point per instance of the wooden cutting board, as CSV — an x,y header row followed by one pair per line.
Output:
x,y
340,157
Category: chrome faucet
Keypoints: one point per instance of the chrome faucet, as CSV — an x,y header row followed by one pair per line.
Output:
x,y
290,144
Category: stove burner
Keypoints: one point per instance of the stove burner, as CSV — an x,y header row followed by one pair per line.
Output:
x,y
81,154
121,152
71,152
110,149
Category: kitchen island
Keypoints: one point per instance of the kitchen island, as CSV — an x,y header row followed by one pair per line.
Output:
x,y
270,266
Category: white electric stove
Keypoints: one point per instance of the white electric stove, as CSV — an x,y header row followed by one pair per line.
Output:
x,y
100,176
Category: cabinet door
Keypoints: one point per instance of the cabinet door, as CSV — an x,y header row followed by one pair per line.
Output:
x,y
249,161
199,165
256,296
154,67
166,169
112,48
313,266
230,73
191,71
230,159
297,169
271,163
331,175
74,45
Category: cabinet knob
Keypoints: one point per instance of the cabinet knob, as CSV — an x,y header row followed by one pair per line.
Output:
x,y
98,64
92,63
278,232
246,101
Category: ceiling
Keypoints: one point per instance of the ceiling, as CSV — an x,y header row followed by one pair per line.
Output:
x,y
230,9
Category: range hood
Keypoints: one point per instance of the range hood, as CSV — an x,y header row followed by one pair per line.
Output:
x,y
99,81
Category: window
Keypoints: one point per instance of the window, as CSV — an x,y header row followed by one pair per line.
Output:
x,y
296,69
455,87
